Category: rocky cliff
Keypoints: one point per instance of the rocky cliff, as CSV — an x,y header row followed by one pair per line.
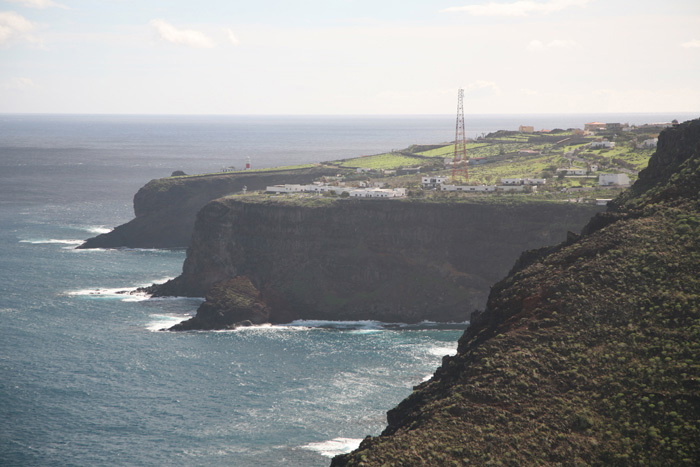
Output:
x,y
166,208
350,259
586,354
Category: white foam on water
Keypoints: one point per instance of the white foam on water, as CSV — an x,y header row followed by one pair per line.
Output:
x,y
426,378
50,241
162,280
175,298
160,322
125,294
364,324
441,351
86,250
334,447
266,328
101,229
366,331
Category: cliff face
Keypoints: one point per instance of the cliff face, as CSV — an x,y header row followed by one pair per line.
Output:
x,y
388,260
588,353
166,208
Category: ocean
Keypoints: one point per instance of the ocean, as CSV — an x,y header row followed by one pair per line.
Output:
x,y
87,378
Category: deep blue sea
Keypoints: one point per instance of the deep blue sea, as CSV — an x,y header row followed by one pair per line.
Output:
x,y
85,377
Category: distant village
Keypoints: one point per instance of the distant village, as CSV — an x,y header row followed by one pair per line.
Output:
x,y
351,187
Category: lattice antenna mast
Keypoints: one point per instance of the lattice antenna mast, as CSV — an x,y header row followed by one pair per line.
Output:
x,y
460,157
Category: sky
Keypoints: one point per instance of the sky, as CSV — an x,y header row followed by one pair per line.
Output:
x,y
341,57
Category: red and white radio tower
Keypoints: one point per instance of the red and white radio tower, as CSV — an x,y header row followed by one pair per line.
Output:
x,y
460,142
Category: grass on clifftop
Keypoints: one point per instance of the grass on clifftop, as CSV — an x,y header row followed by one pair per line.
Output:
x,y
386,161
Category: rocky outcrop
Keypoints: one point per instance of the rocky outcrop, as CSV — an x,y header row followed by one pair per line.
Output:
x,y
166,208
228,305
349,259
586,354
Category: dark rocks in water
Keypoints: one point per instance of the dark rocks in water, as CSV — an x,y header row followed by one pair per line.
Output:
x,y
178,173
229,305
587,353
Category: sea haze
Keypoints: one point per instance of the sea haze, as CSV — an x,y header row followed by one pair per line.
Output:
x,y
86,378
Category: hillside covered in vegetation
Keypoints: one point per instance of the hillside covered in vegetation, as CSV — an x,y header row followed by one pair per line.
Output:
x,y
587,353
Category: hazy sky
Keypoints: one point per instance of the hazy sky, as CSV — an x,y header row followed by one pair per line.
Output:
x,y
349,56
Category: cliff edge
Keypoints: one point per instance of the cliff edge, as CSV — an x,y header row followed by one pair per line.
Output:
x,y
586,354
349,259
166,208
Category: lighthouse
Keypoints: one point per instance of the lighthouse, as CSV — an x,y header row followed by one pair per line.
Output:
x,y
247,163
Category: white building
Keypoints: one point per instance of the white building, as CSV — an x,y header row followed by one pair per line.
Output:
x,y
432,181
324,189
602,144
573,171
378,193
523,181
286,189
511,181
468,188
534,181
613,180
363,170
650,143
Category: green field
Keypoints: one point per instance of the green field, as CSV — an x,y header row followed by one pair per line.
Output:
x,y
251,171
385,161
500,150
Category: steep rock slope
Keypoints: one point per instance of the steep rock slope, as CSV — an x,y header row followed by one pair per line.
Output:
x,y
389,260
587,354
166,208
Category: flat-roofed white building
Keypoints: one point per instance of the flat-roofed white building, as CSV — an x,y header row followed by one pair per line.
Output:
x,y
377,193
432,182
602,144
573,171
613,180
523,181
469,188
286,189
511,181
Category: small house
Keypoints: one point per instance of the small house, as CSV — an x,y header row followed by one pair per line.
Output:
x,y
432,181
613,180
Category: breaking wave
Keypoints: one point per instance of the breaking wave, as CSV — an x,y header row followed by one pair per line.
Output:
x,y
334,447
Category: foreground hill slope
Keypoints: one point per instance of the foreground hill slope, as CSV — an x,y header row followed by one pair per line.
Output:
x,y
587,353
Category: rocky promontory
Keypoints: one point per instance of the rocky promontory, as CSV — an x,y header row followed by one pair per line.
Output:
x,y
166,208
347,259
586,354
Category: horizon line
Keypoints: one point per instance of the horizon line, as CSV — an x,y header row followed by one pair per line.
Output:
x,y
125,114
